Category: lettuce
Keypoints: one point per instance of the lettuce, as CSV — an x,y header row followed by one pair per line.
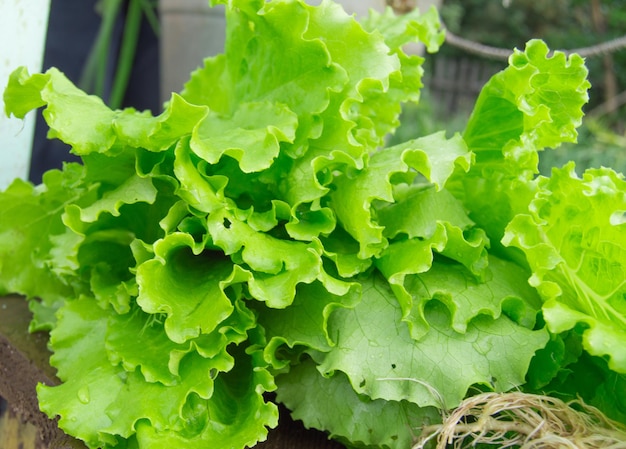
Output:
x,y
259,235
573,238
338,409
533,104
494,351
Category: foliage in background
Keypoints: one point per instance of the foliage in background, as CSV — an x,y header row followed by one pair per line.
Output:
x,y
598,145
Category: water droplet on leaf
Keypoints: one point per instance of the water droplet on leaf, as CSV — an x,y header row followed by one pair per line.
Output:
x,y
83,394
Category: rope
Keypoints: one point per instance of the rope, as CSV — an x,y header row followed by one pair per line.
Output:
x,y
490,52
487,51
601,49
476,48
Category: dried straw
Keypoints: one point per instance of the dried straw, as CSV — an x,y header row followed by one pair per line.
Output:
x,y
524,421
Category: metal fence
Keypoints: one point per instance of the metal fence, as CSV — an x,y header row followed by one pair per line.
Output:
x,y
455,82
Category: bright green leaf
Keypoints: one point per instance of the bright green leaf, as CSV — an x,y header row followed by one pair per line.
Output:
x,y
330,404
374,348
187,285
252,135
573,237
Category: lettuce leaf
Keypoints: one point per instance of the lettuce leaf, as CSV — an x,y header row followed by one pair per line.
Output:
x,y
311,310
137,359
435,157
236,415
374,348
533,104
190,291
503,289
329,403
572,236
30,252
67,106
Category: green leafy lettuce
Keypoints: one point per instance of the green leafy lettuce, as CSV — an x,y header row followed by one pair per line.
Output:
x,y
534,104
259,235
573,237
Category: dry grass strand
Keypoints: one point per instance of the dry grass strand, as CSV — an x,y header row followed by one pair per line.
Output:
x,y
524,421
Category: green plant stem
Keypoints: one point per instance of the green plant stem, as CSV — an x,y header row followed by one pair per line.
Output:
x,y
94,73
149,8
127,53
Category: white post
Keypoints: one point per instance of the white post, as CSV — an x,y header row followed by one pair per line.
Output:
x,y
23,26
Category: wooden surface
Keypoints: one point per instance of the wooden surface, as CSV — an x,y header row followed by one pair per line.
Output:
x,y
15,432
24,362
